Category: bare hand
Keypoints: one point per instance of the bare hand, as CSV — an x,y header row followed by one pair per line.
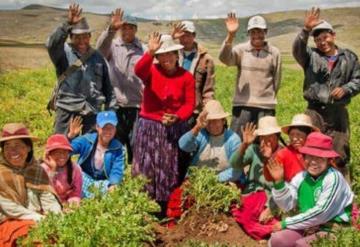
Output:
x,y
248,133
276,170
312,18
75,127
169,119
117,19
178,30
201,120
277,227
338,93
111,188
154,42
265,216
50,162
74,14
232,23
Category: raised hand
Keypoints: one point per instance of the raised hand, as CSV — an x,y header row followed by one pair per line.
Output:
x,y
201,120
75,127
74,13
232,23
178,30
154,42
276,170
50,162
117,19
248,133
312,18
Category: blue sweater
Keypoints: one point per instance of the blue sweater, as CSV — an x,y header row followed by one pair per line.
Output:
x,y
196,145
113,158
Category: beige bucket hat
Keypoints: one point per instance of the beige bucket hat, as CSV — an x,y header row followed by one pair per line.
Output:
x,y
267,125
13,131
299,120
168,44
215,110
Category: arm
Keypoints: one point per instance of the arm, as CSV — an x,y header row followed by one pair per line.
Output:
x,y
117,169
75,194
285,194
104,42
242,157
77,145
301,52
188,142
17,211
277,72
187,108
49,203
227,54
208,91
353,86
143,67
108,90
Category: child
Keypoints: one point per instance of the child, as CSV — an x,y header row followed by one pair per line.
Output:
x,y
321,194
65,176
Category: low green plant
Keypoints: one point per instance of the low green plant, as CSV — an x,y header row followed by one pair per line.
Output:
x,y
208,192
347,236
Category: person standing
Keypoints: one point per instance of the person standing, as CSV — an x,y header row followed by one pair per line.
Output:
x,y
83,81
122,53
331,79
259,72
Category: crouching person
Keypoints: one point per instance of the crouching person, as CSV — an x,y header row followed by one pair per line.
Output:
x,y
25,191
321,194
101,156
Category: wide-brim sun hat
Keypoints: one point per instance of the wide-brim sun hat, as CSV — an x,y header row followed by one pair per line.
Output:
x,y
299,120
57,141
319,145
13,131
215,110
168,45
267,126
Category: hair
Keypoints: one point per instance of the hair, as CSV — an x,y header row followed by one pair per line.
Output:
x,y
305,129
319,31
28,142
69,171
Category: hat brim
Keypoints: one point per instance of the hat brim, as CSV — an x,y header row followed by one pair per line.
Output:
x,y
130,23
175,47
285,128
268,131
61,146
217,116
81,31
102,124
33,138
258,26
319,152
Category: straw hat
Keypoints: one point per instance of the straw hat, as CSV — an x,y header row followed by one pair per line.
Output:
x,y
267,125
168,44
215,110
299,120
12,131
320,145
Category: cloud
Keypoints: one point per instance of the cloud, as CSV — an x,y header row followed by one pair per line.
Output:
x,y
185,9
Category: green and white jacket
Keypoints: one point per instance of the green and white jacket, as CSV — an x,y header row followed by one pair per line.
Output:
x,y
325,199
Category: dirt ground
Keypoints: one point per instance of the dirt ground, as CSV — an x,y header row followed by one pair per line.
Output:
x,y
207,228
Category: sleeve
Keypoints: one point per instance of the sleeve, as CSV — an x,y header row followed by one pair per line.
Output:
x,y
277,72
49,203
77,145
208,91
104,43
117,169
238,162
352,87
17,211
228,54
229,175
187,108
108,90
300,50
326,208
55,45
143,67
75,194
188,142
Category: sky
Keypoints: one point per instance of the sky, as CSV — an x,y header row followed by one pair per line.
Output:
x,y
186,9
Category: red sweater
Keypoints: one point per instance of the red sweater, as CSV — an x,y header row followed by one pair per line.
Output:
x,y
292,162
173,94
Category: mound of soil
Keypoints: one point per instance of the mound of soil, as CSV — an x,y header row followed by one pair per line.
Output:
x,y
207,228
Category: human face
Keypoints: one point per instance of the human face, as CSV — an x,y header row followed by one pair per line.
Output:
x,y
168,60
187,40
81,42
257,37
61,156
297,138
315,165
268,144
106,133
325,42
15,152
215,127
128,32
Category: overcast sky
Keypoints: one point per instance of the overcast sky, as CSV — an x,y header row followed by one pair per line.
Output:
x,y
185,9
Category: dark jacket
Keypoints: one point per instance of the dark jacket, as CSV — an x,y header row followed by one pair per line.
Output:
x,y
319,81
88,88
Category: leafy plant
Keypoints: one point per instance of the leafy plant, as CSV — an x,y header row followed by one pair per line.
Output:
x,y
347,236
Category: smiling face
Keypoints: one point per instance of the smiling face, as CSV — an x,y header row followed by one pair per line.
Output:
x,y
325,42
81,42
168,60
128,32
257,37
315,165
187,40
297,138
106,133
61,156
215,127
15,152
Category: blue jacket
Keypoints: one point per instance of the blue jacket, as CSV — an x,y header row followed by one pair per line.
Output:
x,y
196,145
113,158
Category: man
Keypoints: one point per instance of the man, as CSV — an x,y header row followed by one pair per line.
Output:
x,y
259,72
87,88
122,53
332,77
195,59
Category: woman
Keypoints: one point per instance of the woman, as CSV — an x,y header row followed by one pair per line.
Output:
x,y
65,176
255,215
169,100
289,156
25,191
320,193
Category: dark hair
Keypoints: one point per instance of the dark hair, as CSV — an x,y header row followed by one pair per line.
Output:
x,y
305,129
69,172
28,142
319,31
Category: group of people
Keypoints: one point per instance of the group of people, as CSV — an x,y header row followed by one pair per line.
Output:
x,y
158,102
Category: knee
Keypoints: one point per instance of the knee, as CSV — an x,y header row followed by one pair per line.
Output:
x,y
276,239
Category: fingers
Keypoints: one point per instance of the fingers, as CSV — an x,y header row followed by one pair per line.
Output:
x,y
231,16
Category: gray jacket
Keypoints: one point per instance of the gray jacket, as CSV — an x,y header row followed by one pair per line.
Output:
x,y
87,89
319,81
122,58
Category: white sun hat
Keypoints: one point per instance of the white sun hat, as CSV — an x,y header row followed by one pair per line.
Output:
x,y
267,125
299,120
215,110
168,44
